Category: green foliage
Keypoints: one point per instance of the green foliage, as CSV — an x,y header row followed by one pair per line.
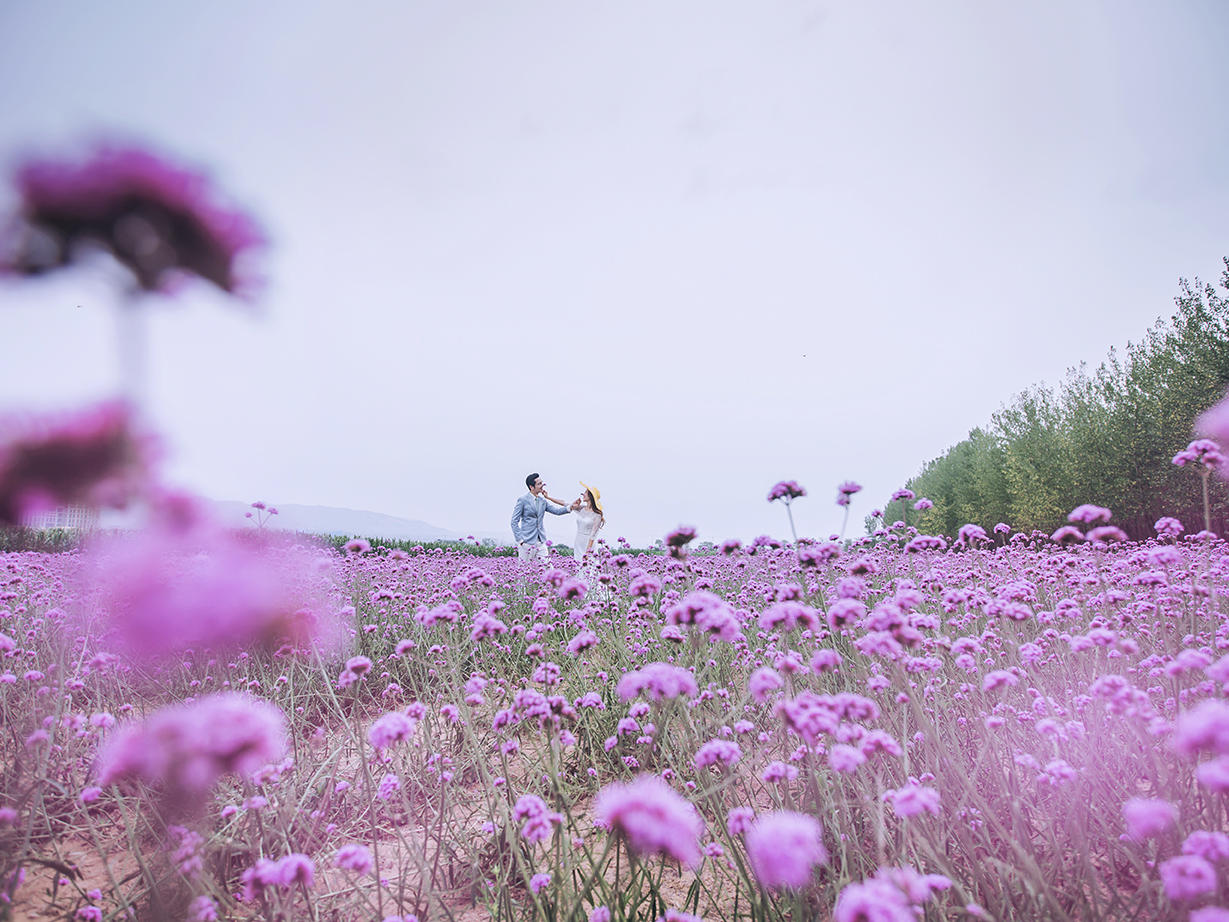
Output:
x,y
421,547
43,540
476,549
1106,437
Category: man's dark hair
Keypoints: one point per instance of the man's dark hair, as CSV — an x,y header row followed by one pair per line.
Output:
x,y
530,479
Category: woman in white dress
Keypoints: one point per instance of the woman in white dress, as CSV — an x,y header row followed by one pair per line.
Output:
x,y
587,510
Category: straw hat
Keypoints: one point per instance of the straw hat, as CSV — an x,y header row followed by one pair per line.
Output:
x,y
597,497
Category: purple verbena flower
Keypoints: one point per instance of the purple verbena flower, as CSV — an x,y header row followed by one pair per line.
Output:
x,y
93,457
354,857
787,490
652,818
183,749
658,681
159,220
784,848
1147,818
1187,877
1089,514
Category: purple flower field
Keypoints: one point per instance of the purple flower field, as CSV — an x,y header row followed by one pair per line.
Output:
x,y
205,724
201,724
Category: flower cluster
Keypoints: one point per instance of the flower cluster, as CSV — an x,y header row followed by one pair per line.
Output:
x,y
159,220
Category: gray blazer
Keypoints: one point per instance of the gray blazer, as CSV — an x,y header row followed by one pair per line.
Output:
x,y
528,518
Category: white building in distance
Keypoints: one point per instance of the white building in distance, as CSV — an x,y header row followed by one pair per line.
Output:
x,y
78,518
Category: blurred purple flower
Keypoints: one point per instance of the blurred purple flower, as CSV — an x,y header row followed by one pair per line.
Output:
x,y
1214,422
659,681
913,800
787,490
872,901
763,682
1168,527
971,534
1211,846
845,492
845,759
677,540
165,591
1147,818
1067,533
717,752
183,749
539,820
1187,877
390,729
1089,514
93,457
1203,728
158,220
677,915
652,818
785,616
784,848
354,857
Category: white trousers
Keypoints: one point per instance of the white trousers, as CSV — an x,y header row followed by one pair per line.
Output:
x,y
532,551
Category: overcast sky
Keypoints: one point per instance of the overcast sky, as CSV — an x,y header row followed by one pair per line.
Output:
x,y
679,250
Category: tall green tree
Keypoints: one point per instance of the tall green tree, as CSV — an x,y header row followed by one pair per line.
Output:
x,y
1106,436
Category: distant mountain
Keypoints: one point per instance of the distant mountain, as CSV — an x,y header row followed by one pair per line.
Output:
x,y
329,520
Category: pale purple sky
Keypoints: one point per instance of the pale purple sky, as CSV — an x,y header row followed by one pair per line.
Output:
x,y
680,251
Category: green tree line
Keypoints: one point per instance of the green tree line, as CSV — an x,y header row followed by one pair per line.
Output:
x,y
1105,436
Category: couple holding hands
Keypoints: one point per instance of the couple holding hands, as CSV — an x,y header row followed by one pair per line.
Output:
x,y
528,519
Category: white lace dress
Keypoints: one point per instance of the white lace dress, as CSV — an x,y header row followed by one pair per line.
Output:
x,y
587,522
589,565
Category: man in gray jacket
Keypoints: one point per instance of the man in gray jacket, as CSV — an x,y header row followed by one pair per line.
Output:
x,y
528,525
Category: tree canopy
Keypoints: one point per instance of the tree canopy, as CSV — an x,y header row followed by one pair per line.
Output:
x,y
1105,436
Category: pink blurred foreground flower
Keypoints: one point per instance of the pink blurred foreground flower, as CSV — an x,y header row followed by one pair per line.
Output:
x,y
159,220
1214,774
1211,846
183,749
164,591
872,901
652,818
1201,451
1147,818
892,895
1214,422
784,848
1203,728
1187,877
93,457
677,915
